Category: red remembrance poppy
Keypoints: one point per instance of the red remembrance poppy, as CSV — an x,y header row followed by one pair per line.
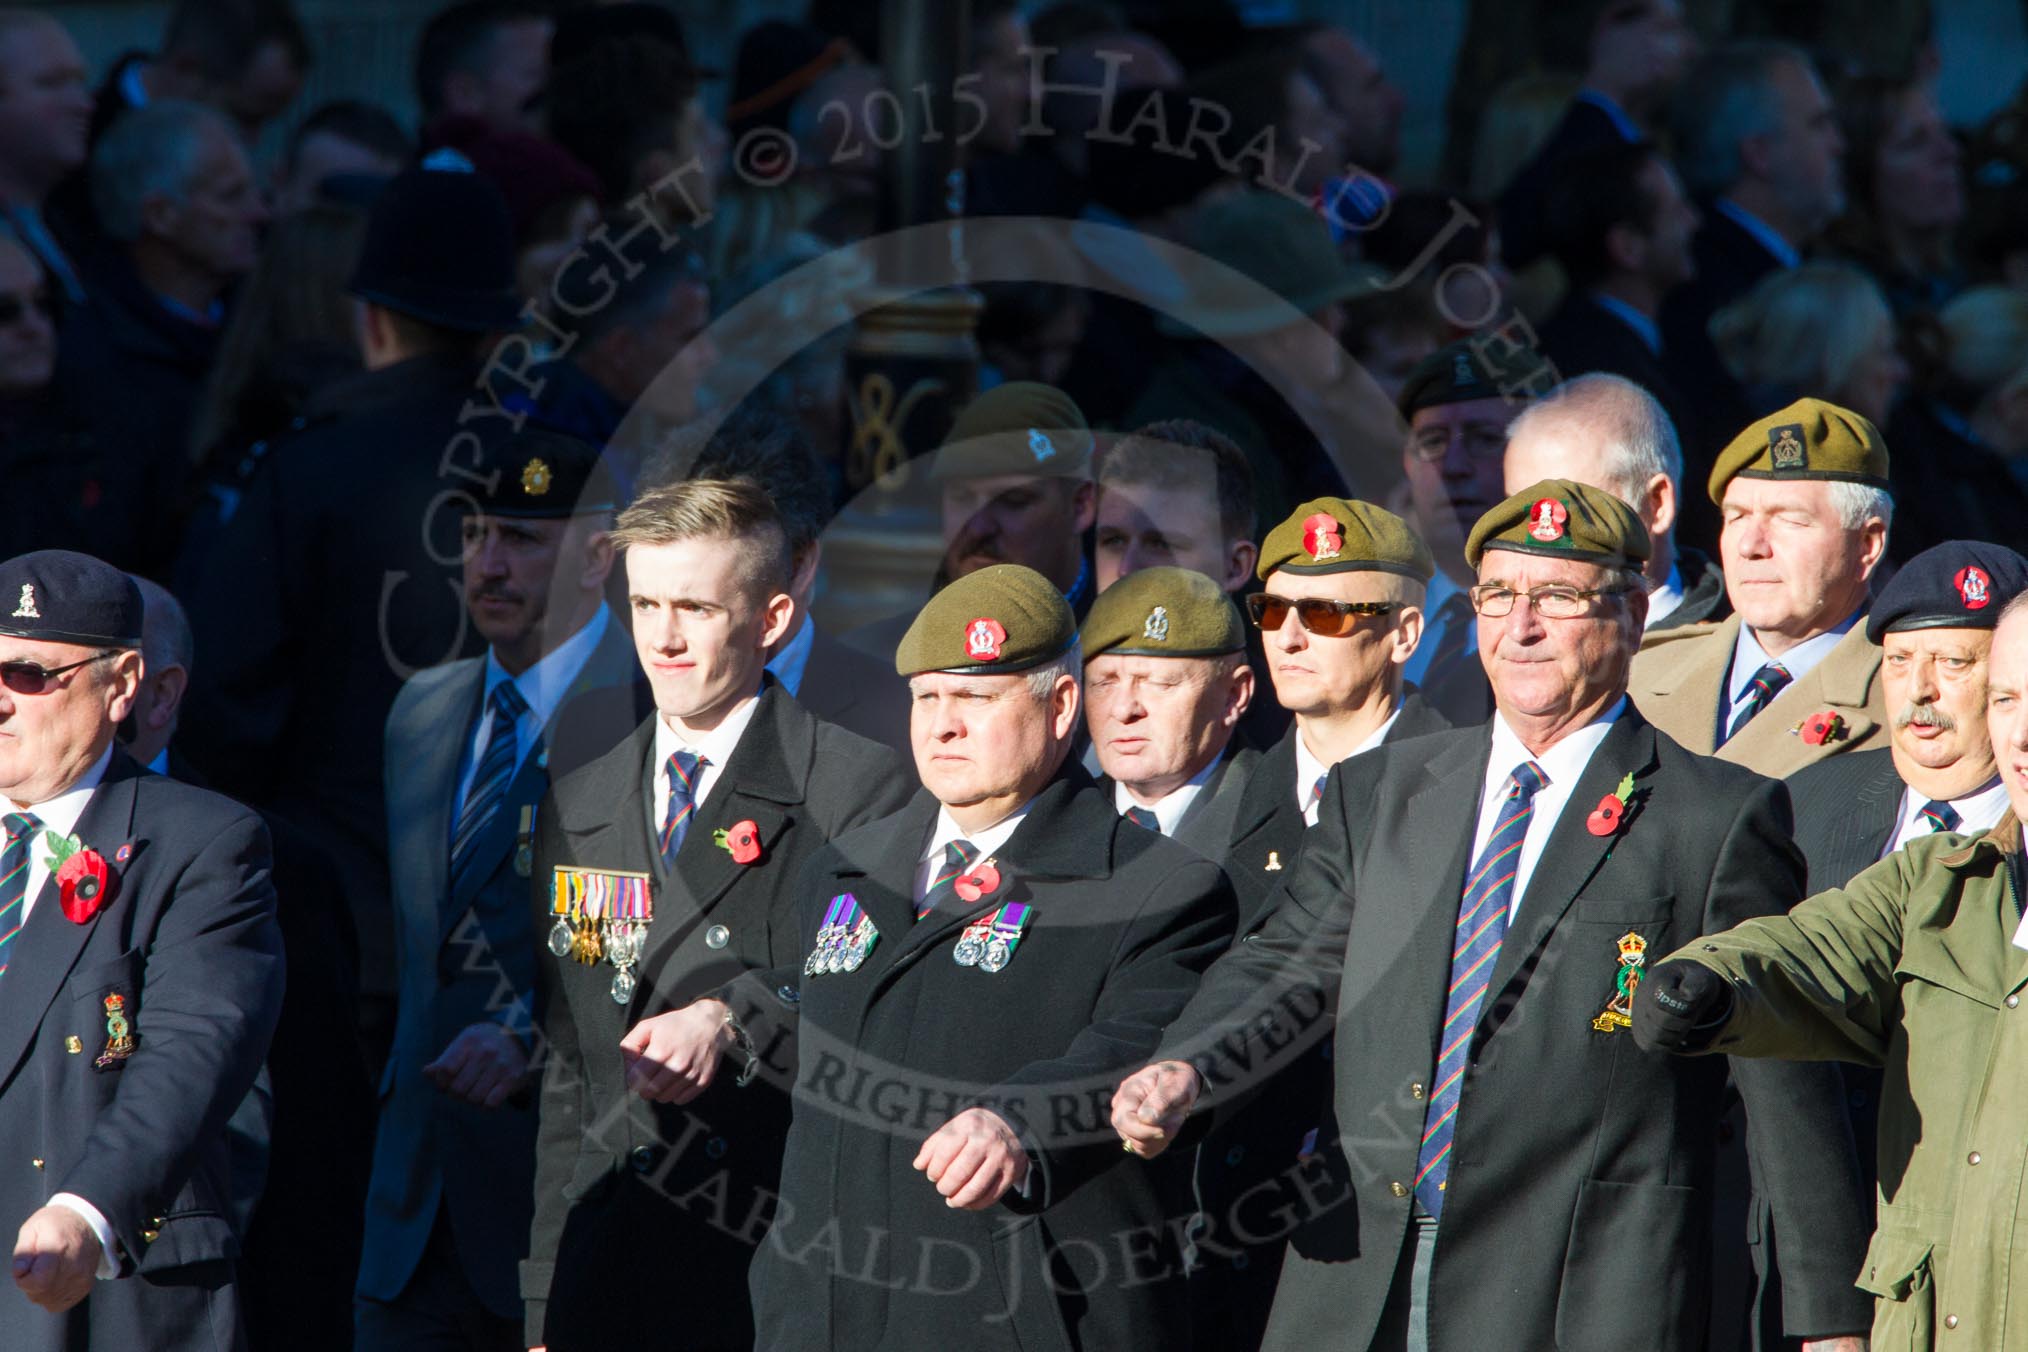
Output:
x,y
1606,817
83,885
744,842
978,883
1823,727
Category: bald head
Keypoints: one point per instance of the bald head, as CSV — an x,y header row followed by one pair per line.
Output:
x,y
1610,433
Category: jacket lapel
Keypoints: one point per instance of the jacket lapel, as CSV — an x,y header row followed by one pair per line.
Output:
x,y
880,875
1573,854
48,944
1677,677
1269,787
1842,682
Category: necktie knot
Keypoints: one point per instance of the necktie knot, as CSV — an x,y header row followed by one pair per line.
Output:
x,y
1759,693
21,825
1527,780
1144,818
508,703
1317,788
1940,816
958,858
683,768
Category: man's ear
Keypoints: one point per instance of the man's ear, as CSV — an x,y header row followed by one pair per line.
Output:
x,y
599,556
1238,694
1407,635
159,213
123,684
1084,505
776,617
1064,700
1240,557
1660,502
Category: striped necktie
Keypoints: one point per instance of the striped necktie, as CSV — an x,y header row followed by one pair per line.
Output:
x,y
21,828
1767,683
1144,818
682,805
958,856
1940,816
496,770
1317,789
1482,923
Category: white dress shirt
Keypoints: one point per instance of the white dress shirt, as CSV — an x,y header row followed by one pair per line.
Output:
x,y
1665,598
716,747
60,814
1979,810
987,842
1169,808
1308,767
1748,657
1562,766
541,687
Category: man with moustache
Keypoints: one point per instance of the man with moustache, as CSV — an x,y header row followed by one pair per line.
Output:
x,y
1914,967
471,749
1166,682
1475,907
1933,623
1458,402
661,871
987,959
1789,679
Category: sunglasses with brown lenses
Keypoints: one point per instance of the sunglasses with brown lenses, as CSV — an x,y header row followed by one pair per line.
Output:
x,y
1331,619
32,678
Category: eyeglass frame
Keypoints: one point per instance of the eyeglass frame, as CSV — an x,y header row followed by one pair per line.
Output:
x,y
1257,603
1581,594
44,674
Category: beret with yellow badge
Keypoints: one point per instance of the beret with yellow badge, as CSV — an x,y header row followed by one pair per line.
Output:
x,y
1810,439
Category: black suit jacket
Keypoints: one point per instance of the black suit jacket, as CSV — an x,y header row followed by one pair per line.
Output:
x,y
1704,597
1524,237
638,1197
1582,1166
187,938
865,1253
844,685
1206,826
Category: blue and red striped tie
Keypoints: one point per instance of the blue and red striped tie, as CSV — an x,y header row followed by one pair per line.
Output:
x,y
1940,816
683,768
1767,683
21,828
958,857
1482,923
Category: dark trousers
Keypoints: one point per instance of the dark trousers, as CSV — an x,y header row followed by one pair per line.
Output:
x,y
437,1311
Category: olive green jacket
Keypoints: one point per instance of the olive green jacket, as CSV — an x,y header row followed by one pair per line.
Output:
x,y
1911,967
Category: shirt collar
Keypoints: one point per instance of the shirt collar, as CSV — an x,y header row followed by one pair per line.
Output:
x,y
132,87
1308,767
1748,657
988,842
1645,328
1169,809
60,814
1667,597
1561,764
160,765
543,686
1979,810
793,660
1607,104
716,746
1764,234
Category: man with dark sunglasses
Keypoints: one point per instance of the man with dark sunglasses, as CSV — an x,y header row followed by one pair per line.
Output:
x,y
140,981
1340,613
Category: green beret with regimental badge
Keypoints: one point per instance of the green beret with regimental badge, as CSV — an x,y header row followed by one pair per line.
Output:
x,y
1001,619
1563,520
1163,612
1021,427
1810,439
1342,535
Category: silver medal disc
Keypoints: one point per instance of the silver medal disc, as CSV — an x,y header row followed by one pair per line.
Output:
x,y
559,938
623,986
969,950
997,953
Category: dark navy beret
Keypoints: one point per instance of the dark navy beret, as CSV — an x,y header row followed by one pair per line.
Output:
x,y
1959,584
58,596
539,473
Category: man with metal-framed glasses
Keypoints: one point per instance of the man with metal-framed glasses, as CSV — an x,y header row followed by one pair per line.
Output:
x,y
140,980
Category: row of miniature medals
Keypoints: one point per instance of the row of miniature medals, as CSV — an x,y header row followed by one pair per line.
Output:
x,y
601,915
848,935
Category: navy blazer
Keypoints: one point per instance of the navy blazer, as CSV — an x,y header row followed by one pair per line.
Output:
x,y
187,938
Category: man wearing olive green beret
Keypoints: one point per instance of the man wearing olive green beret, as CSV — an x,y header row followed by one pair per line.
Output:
x,y
981,966
1500,1167
1789,679
1166,682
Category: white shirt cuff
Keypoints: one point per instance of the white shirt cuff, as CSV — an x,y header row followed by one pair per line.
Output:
x,y
109,1267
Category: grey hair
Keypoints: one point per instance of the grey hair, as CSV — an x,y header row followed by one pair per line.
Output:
x,y
166,640
1728,96
1859,503
148,152
1042,679
1635,433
